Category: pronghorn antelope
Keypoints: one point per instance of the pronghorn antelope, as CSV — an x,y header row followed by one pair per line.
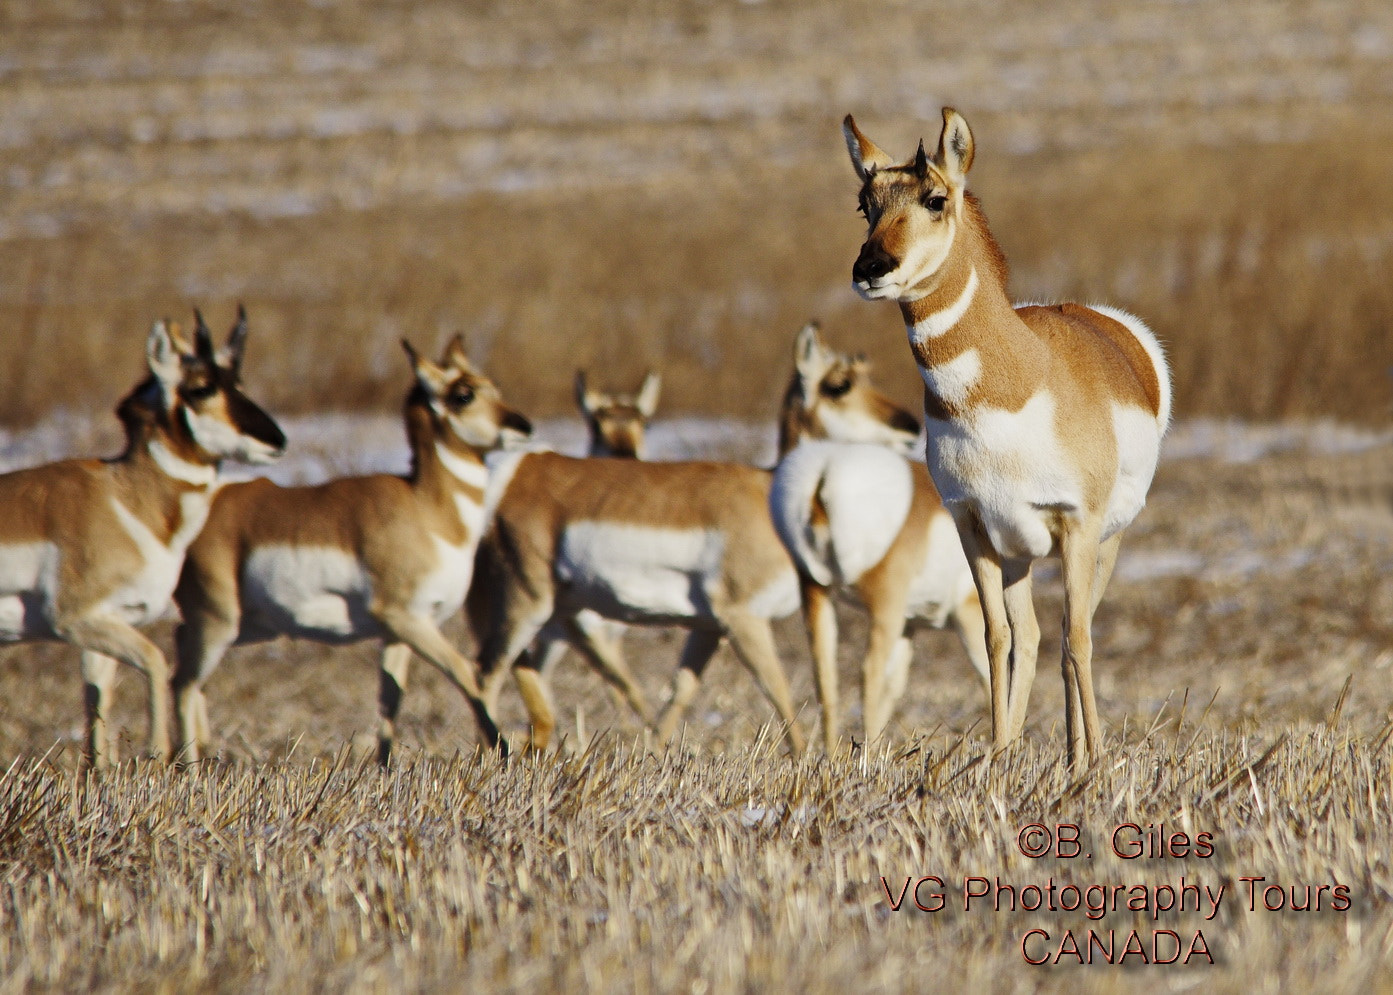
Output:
x,y
355,558
618,427
860,516
617,422
90,548
1044,422
688,544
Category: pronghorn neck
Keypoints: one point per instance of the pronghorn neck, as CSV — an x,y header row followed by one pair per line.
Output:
x,y
439,463
965,329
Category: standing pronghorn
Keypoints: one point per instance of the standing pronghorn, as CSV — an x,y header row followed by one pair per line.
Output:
x,y
618,422
1044,423
90,548
688,544
861,516
355,558
618,425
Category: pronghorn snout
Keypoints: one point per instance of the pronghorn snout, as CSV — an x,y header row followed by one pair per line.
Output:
x,y
872,264
516,422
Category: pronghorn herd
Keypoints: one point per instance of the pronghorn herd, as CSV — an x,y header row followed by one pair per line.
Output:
x,y
1043,427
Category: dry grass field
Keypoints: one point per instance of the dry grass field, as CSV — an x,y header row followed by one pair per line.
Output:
x,y
622,186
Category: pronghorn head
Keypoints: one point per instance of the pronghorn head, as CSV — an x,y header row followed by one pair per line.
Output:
x,y
617,422
913,210
194,398
466,409
831,397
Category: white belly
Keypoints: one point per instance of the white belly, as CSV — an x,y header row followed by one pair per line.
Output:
x,y
28,581
639,573
312,592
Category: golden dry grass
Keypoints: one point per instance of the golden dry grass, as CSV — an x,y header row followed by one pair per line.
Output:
x,y
1243,660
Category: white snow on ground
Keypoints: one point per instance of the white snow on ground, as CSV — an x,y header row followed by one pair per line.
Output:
x,y
326,446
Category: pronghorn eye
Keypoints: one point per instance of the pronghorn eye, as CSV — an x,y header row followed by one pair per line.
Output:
x,y
199,392
461,396
936,203
836,388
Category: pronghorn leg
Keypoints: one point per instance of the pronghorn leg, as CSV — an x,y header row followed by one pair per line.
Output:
x,y
1025,640
897,672
1080,554
537,698
696,654
971,628
986,574
591,635
200,643
820,616
113,637
98,675
1107,560
506,642
886,602
753,642
396,665
426,639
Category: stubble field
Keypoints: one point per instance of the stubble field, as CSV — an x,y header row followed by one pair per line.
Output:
x,y
597,185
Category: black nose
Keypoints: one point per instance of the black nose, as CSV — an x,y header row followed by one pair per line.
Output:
x,y
873,263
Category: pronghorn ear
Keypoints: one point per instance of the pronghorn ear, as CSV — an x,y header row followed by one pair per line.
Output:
x,y
647,400
809,354
866,156
230,356
955,145
430,376
455,354
164,355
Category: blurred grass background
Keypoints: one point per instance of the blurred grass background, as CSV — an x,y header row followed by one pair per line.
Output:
x,y
663,185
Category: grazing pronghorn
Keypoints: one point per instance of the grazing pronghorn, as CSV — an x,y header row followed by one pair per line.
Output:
x,y
1044,422
355,558
863,517
688,544
91,548
618,422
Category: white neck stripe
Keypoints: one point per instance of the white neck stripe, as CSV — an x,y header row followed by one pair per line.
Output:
x,y
940,322
198,474
464,470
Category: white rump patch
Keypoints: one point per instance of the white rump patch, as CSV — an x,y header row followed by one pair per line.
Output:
x,y
940,322
1152,345
638,572
866,492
